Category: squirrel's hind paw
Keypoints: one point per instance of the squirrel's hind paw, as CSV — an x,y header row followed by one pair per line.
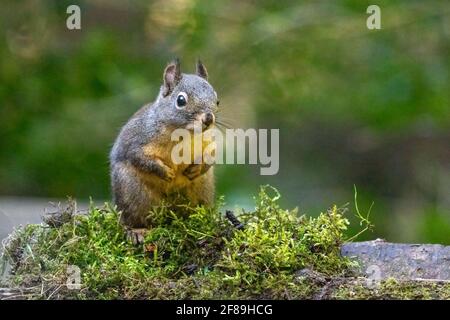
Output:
x,y
136,236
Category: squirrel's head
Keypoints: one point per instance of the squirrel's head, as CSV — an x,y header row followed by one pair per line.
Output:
x,y
187,99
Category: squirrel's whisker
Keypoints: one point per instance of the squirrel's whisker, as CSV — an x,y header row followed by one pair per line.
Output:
x,y
224,121
223,125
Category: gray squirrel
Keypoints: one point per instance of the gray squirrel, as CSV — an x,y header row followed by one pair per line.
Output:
x,y
142,172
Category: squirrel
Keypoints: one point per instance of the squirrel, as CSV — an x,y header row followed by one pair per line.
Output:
x,y
143,174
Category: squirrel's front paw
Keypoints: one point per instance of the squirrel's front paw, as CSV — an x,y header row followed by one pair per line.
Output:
x,y
195,170
167,173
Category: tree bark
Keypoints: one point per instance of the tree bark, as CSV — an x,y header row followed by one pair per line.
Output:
x,y
381,260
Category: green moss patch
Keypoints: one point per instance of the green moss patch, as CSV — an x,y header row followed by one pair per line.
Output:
x,y
391,289
196,255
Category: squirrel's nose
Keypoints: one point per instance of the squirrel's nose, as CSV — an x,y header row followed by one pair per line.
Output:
x,y
208,119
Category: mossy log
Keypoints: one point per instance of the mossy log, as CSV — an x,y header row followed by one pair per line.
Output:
x,y
282,266
382,260
379,260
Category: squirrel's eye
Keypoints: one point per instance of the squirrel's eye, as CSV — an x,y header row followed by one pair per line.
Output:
x,y
181,100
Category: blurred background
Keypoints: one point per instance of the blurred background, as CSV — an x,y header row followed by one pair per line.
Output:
x,y
354,106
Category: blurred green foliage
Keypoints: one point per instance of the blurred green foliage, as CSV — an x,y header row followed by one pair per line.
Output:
x,y
354,106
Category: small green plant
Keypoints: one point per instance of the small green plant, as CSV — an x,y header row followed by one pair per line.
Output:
x,y
363,220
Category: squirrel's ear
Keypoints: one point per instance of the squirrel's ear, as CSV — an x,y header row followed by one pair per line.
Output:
x,y
201,70
172,75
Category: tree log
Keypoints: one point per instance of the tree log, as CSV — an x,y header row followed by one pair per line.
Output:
x,y
378,260
382,260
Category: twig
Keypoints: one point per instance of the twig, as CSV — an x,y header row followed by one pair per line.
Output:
x,y
234,220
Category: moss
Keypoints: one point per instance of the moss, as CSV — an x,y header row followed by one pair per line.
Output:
x,y
392,289
196,255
